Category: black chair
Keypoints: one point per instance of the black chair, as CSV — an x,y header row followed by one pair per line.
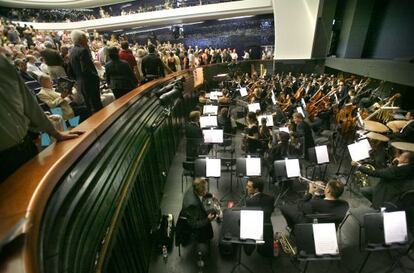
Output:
x,y
34,86
188,171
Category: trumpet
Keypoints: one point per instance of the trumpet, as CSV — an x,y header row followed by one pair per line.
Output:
x,y
286,245
317,184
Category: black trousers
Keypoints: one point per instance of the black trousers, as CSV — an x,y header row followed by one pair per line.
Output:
x,y
120,92
292,215
12,158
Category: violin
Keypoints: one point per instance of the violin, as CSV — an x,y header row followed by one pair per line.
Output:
x,y
298,93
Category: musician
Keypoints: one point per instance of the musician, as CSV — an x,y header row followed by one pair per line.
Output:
x,y
197,217
265,134
251,135
224,121
407,132
256,198
394,180
304,131
330,204
202,99
194,136
225,99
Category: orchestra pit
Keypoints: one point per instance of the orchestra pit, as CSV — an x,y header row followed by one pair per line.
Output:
x,y
225,136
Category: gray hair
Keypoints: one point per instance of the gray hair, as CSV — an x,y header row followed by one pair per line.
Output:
x,y
76,36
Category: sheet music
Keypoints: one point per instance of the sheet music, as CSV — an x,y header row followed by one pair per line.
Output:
x,y
208,121
395,227
269,120
360,120
292,167
213,167
213,136
365,142
303,103
251,224
322,155
324,236
284,129
253,166
243,91
254,107
273,97
210,109
300,110
336,99
358,151
215,94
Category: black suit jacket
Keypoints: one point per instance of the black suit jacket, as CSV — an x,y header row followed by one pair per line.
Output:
x,y
394,182
81,69
196,216
194,137
263,201
152,65
119,75
304,131
406,134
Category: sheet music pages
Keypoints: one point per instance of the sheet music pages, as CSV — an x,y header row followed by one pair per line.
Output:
x,y
254,107
213,136
284,129
365,142
303,103
210,109
243,91
208,121
322,155
215,94
300,110
358,151
253,166
213,167
273,97
292,167
325,239
251,224
269,120
395,227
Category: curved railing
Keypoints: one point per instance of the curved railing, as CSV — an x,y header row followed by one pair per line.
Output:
x,y
87,205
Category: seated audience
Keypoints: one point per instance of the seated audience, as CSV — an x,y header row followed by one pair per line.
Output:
x,y
64,100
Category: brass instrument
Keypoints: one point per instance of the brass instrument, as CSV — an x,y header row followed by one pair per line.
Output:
x,y
212,205
285,244
362,179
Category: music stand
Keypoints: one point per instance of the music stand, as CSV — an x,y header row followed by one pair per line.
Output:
x,y
281,175
232,229
319,157
305,243
200,169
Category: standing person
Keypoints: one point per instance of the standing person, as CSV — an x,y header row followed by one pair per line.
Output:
x,y
82,69
126,55
54,61
194,136
251,135
304,131
20,111
152,66
197,217
256,198
119,74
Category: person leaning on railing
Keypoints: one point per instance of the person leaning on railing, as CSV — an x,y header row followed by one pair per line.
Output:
x,y
20,114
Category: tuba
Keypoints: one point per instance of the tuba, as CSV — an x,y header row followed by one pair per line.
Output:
x,y
362,180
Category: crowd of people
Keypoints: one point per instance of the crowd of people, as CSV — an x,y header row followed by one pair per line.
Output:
x,y
83,14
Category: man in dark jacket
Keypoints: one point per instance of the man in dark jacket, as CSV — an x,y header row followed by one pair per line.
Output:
x,y
394,180
303,131
256,198
193,209
330,204
82,69
152,66
194,136
119,75
407,132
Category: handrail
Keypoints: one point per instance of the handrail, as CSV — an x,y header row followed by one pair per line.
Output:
x,y
25,193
